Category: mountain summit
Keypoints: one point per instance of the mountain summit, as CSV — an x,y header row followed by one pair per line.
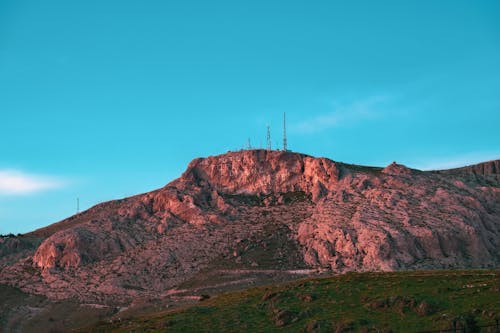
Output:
x,y
257,216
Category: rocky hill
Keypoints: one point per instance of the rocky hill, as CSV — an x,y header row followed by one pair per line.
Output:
x,y
258,216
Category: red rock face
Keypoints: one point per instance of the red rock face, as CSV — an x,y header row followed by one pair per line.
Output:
x,y
264,172
271,210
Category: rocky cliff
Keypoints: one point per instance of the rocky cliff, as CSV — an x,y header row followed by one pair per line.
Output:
x,y
266,212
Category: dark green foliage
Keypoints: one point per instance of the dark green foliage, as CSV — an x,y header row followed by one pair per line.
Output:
x,y
297,196
245,199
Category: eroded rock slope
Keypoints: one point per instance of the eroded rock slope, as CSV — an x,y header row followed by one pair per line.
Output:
x,y
266,211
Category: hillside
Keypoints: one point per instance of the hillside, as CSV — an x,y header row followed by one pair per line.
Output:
x,y
256,217
354,302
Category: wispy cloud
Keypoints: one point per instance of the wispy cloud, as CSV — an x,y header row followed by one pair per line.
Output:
x,y
343,114
14,182
456,161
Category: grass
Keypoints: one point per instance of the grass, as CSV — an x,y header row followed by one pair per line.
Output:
x,y
22,312
355,302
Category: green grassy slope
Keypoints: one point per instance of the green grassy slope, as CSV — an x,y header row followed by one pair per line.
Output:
x,y
354,302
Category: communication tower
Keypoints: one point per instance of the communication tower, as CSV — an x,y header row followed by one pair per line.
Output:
x,y
284,132
268,138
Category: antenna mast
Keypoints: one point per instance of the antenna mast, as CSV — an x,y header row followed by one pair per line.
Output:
x,y
284,132
268,138
77,205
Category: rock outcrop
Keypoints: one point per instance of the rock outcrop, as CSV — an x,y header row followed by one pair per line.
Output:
x,y
490,168
265,211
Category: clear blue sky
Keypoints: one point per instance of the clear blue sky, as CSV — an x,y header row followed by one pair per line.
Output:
x,y
105,99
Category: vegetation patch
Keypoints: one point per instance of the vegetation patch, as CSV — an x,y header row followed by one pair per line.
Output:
x,y
354,302
245,199
296,196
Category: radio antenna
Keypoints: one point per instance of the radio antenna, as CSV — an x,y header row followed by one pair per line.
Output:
x,y
284,132
268,138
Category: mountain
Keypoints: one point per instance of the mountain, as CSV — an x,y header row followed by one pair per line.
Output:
x,y
258,216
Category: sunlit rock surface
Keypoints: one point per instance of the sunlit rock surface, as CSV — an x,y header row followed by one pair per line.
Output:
x,y
264,210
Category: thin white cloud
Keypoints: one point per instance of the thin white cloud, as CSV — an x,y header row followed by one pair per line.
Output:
x,y
14,182
456,161
369,108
